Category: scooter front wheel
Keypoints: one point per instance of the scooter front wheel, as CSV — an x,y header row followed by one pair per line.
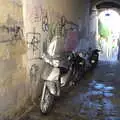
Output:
x,y
47,100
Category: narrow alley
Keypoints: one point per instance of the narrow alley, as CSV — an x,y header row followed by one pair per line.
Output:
x,y
47,45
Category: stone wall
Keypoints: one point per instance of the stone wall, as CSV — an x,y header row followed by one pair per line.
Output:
x,y
12,55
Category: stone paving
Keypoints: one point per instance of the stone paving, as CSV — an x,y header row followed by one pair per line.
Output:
x,y
97,97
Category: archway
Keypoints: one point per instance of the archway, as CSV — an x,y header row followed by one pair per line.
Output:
x,y
108,34
108,9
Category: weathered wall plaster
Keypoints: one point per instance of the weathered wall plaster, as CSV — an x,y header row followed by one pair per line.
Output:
x,y
12,56
20,72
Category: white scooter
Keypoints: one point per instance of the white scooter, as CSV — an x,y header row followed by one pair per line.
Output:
x,y
55,78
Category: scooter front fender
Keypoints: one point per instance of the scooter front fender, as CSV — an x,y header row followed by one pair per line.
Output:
x,y
51,75
52,86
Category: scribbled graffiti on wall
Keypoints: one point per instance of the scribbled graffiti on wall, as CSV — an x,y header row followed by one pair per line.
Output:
x,y
11,31
65,29
45,25
34,41
13,34
33,72
62,28
36,13
63,21
52,24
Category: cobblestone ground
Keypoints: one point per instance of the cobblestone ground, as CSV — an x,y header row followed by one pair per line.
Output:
x,y
97,97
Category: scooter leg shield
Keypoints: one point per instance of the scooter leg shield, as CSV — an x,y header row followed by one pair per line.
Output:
x,y
51,86
54,87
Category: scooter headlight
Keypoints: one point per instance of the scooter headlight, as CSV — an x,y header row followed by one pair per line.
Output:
x,y
93,61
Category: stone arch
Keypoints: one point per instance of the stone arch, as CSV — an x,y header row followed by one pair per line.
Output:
x,y
102,1
94,3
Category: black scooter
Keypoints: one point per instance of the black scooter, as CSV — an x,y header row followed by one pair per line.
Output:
x,y
94,58
91,58
79,65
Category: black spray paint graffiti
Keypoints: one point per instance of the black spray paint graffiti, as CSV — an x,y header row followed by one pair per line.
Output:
x,y
63,25
63,21
16,33
57,29
33,72
45,25
35,40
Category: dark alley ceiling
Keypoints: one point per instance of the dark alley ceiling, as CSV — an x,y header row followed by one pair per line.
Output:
x,y
105,3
